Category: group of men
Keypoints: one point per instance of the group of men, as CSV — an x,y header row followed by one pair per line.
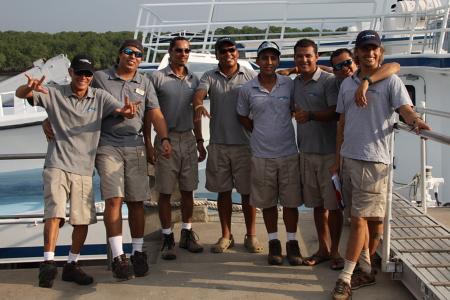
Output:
x,y
252,148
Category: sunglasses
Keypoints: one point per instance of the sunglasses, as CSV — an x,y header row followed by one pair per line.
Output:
x,y
227,50
130,52
84,73
181,50
341,65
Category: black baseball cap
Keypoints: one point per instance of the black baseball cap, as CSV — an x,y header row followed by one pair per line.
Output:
x,y
82,62
133,43
268,45
368,37
222,41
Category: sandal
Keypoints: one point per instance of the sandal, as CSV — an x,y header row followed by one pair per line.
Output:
x,y
315,259
252,245
337,263
222,245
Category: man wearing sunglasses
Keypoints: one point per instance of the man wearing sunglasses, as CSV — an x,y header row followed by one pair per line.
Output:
x,y
364,137
76,112
229,153
175,85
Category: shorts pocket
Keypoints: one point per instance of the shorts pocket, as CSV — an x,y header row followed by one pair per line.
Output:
x,y
374,178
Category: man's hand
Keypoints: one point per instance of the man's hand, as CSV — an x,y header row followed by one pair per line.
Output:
x,y
301,116
151,154
419,124
201,151
48,130
36,84
200,112
334,169
167,149
360,95
129,109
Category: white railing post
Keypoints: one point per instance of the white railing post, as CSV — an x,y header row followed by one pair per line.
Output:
x,y
1,106
423,163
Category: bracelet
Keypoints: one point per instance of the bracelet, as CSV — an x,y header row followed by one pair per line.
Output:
x,y
311,116
165,139
198,106
369,80
200,141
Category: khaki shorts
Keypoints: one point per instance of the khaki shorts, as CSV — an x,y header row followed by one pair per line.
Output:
x,y
273,179
315,176
181,167
123,172
61,186
364,187
228,167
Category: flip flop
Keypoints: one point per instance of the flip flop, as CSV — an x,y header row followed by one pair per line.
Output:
x,y
337,263
315,259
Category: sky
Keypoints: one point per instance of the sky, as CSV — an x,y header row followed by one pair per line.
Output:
x,y
109,15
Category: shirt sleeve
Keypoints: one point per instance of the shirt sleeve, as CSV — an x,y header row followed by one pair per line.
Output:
x,y
44,100
331,92
151,99
340,101
398,94
243,103
205,82
110,104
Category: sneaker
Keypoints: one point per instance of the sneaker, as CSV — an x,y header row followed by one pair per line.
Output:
x,y
293,253
341,291
361,279
275,257
189,241
47,273
252,244
121,268
73,272
222,245
139,262
167,249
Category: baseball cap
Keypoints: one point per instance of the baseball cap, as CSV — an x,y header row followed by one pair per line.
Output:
x,y
82,62
222,41
367,37
268,45
133,43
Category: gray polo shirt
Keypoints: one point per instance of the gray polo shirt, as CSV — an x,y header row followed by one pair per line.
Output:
x,y
117,131
316,94
76,125
367,130
224,125
175,98
273,133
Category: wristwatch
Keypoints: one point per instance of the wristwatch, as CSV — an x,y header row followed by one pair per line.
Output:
x,y
311,116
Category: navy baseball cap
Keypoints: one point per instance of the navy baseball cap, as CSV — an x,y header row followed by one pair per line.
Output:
x,y
368,37
82,62
268,45
222,41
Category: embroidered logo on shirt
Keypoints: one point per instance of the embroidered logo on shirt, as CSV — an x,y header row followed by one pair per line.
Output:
x,y
140,92
91,109
283,98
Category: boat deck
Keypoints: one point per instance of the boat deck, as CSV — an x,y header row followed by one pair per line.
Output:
x,y
423,246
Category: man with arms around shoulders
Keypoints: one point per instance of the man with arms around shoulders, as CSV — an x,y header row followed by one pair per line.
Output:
x,y
364,146
265,107
229,153
175,86
76,112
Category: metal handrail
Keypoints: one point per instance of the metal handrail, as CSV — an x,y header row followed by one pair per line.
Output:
x,y
8,156
427,134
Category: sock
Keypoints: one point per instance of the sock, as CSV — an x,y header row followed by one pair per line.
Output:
x,y
166,230
364,261
115,242
291,236
137,244
187,226
346,273
273,236
73,257
49,256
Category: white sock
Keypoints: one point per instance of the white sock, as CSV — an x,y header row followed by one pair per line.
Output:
x,y
166,230
291,236
346,273
187,226
137,244
115,242
73,257
49,256
364,261
273,236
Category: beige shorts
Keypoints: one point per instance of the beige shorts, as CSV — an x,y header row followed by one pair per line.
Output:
x,y
273,180
364,187
228,167
315,176
181,167
61,186
123,172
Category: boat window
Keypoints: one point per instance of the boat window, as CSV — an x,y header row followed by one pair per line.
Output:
x,y
412,93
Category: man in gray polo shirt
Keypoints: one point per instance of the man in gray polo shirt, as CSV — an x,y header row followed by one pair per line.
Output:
x,y
264,107
315,95
365,150
76,112
229,153
175,85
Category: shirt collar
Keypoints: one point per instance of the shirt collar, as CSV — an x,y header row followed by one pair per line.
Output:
x,y
169,72
113,75
315,76
69,93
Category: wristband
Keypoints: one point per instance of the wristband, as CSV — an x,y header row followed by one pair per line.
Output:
x,y
164,139
369,80
311,116
200,141
198,106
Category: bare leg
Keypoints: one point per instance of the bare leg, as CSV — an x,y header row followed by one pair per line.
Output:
x,y
323,234
290,218
249,215
165,210
79,235
136,219
51,230
187,206
224,206
270,216
357,238
335,221
375,233
112,216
